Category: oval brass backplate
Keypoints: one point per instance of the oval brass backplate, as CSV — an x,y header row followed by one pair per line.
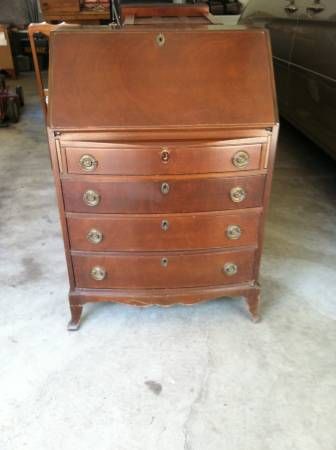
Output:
x,y
238,194
160,40
94,236
88,163
240,159
91,198
230,269
98,273
233,232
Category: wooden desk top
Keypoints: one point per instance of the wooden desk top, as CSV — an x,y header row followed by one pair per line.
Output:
x,y
164,77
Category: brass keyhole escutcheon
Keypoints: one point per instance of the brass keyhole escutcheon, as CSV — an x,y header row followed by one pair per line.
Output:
x,y
164,262
165,155
233,232
164,225
94,236
238,194
240,159
98,273
165,188
160,40
88,163
230,269
91,198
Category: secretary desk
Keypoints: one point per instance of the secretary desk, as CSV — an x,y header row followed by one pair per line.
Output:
x,y
162,140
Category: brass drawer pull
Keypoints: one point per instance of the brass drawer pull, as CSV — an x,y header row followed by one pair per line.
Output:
x,y
98,273
291,7
91,198
94,236
315,8
230,269
238,194
164,225
165,188
165,155
233,232
164,262
88,163
240,159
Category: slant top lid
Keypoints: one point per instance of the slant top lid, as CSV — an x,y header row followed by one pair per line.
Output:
x,y
149,79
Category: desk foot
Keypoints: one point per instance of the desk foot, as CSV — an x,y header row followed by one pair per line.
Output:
x,y
76,312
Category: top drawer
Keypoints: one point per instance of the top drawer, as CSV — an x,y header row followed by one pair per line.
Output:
x,y
156,159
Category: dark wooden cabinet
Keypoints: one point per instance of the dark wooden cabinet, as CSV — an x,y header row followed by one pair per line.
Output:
x,y
162,161
58,6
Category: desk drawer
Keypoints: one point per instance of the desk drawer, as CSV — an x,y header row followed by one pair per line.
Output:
x,y
155,159
162,232
169,270
161,195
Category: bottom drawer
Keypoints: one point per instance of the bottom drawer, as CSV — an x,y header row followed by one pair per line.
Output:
x,y
169,270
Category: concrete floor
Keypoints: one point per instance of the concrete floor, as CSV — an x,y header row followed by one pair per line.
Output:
x,y
183,378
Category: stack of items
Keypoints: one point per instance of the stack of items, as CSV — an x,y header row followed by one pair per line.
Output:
x,y
222,7
96,4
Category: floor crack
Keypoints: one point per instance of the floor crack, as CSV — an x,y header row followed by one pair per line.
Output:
x,y
201,394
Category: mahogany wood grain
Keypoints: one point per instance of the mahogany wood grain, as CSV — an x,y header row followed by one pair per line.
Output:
x,y
146,270
165,10
162,159
163,297
188,134
45,29
143,195
203,93
148,232
59,196
199,78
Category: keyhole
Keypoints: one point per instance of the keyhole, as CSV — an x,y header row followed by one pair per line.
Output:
x,y
165,225
164,262
165,188
160,39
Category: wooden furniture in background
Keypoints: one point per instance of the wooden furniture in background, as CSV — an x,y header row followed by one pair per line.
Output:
x,y
162,161
45,29
6,57
157,13
59,6
74,11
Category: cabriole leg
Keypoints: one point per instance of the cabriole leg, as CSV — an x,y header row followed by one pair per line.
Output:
x,y
76,312
253,304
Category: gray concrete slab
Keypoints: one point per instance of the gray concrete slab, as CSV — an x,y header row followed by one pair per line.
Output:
x,y
180,378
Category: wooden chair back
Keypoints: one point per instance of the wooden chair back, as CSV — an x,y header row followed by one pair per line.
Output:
x,y
45,29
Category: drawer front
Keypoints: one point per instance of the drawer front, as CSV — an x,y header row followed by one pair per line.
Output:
x,y
165,232
160,160
163,271
162,195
